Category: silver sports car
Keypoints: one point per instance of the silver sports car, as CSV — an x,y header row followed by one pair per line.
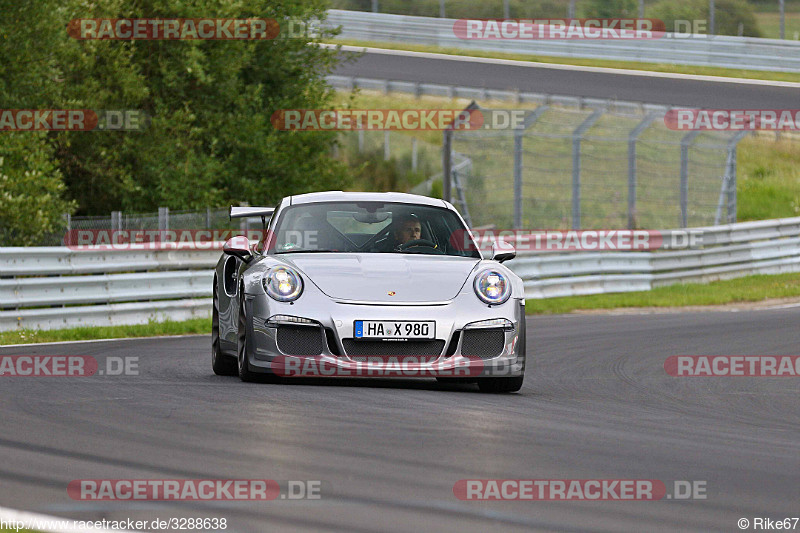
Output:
x,y
367,284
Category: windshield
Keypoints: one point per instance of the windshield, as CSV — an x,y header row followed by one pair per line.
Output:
x,y
371,227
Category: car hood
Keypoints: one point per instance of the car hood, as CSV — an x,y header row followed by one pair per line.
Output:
x,y
373,277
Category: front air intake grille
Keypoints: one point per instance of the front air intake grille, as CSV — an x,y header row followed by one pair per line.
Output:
x,y
483,343
356,349
300,340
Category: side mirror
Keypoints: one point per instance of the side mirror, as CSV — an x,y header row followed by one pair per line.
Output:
x,y
503,251
238,247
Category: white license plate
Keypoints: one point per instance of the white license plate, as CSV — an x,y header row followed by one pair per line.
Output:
x,y
395,329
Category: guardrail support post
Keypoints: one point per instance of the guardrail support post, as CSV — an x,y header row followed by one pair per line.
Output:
x,y
632,139
686,142
577,135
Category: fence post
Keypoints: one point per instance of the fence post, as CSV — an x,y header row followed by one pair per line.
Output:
x,y
733,175
386,146
163,218
441,9
686,142
414,155
782,9
711,18
506,10
360,141
116,220
374,6
530,119
518,179
632,139
577,135
447,164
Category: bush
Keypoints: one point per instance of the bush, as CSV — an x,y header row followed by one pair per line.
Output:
x,y
31,190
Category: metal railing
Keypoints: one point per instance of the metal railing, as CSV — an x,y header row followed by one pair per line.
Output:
x,y
703,50
57,287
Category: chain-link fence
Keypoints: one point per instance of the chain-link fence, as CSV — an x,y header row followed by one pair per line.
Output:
x,y
594,168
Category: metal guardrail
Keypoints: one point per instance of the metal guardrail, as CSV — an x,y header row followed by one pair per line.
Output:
x,y
50,288
729,251
59,287
714,51
483,94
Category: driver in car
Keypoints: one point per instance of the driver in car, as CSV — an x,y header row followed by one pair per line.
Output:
x,y
408,229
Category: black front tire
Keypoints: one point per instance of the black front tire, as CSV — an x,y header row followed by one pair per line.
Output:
x,y
222,364
495,385
245,374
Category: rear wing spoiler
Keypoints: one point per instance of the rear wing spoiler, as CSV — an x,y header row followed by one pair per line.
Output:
x,y
247,212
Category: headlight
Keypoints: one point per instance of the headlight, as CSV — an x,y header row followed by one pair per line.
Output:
x,y
492,287
283,284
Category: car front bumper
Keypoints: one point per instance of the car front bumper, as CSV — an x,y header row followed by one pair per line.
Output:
x,y
334,321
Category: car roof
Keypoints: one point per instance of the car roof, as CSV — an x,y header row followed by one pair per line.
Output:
x,y
340,196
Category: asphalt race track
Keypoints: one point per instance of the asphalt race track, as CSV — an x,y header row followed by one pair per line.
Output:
x,y
658,90
597,404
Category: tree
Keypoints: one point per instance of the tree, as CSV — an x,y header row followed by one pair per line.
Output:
x,y
31,190
209,141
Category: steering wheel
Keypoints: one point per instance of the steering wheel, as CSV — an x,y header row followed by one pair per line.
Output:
x,y
417,242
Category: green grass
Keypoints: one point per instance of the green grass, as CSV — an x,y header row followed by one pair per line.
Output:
x,y
770,25
606,63
745,289
152,329
768,178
